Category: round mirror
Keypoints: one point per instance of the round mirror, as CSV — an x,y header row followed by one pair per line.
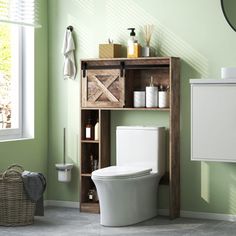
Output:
x,y
229,10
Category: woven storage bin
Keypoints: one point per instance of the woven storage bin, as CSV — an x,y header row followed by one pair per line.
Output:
x,y
15,207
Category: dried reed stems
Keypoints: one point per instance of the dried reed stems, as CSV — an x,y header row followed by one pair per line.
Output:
x,y
148,30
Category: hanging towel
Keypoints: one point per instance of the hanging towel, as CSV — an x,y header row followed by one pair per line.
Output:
x,y
69,70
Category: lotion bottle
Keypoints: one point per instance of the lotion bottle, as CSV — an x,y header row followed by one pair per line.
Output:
x,y
133,48
151,95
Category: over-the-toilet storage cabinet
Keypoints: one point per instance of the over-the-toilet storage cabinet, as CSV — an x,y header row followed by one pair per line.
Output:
x,y
107,85
213,120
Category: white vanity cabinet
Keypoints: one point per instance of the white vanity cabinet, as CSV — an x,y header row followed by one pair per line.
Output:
x,y
213,120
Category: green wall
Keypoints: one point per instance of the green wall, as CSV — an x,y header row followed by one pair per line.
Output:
x,y
32,154
196,31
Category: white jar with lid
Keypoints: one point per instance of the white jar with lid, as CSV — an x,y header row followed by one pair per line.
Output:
x,y
139,98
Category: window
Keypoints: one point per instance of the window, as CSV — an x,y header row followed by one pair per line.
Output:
x,y
16,80
10,78
17,68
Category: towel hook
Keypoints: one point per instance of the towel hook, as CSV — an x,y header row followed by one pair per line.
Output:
x,y
70,28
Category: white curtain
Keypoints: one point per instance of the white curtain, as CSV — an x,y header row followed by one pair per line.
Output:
x,y
22,12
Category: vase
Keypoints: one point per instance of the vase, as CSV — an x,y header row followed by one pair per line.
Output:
x,y
146,51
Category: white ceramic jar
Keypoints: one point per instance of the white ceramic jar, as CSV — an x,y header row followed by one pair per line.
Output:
x,y
139,99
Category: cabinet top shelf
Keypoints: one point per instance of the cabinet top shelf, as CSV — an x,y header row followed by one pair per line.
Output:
x,y
129,59
127,63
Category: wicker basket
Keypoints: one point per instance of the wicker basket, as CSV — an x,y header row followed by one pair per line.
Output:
x,y
15,207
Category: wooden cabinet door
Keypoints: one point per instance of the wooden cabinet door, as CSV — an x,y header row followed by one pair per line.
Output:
x,y
103,88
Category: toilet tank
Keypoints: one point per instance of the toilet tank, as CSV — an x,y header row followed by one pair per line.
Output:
x,y
141,146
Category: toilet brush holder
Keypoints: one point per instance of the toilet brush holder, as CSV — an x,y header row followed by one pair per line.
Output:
x,y
64,169
64,172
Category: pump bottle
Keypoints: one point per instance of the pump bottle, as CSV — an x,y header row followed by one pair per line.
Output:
x,y
133,48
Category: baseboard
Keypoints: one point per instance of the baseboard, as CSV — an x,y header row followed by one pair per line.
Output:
x,y
61,203
209,216
201,215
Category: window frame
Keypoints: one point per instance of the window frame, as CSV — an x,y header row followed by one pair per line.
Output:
x,y
25,97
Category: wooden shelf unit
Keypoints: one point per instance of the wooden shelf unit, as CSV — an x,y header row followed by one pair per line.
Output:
x,y
100,149
120,78
91,207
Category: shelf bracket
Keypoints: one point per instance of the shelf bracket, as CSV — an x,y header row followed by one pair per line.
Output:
x,y
122,66
84,66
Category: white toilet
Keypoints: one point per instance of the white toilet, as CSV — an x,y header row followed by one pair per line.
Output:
x,y
128,191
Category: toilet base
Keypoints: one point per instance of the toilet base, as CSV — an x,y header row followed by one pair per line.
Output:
x,y
127,201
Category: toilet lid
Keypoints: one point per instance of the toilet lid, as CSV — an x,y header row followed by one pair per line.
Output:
x,y
120,172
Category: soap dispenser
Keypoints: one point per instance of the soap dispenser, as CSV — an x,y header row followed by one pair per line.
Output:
x,y
151,95
133,48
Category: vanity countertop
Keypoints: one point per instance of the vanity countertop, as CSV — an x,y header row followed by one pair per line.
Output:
x,y
212,81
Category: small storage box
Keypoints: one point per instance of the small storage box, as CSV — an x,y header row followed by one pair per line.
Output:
x,y
109,50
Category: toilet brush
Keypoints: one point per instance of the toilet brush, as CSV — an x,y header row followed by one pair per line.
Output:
x,y
64,170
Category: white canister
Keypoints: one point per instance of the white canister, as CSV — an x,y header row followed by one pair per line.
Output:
x,y
139,98
163,99
151,96
228,72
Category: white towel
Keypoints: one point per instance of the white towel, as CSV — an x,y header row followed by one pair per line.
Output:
x,y
69,70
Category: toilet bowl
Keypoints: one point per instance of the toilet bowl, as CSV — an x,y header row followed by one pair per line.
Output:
x,y
126,199
128,192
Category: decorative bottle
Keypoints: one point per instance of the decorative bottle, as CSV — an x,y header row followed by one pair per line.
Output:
x,y
89,130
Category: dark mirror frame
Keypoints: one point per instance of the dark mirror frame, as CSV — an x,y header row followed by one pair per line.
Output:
x,y
227,19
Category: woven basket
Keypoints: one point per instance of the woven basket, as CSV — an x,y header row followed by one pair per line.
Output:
x,y
15,207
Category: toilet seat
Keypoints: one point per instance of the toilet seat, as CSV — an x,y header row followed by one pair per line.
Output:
x,y
120,172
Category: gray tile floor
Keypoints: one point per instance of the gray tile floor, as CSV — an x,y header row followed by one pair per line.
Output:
x,y
65,221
